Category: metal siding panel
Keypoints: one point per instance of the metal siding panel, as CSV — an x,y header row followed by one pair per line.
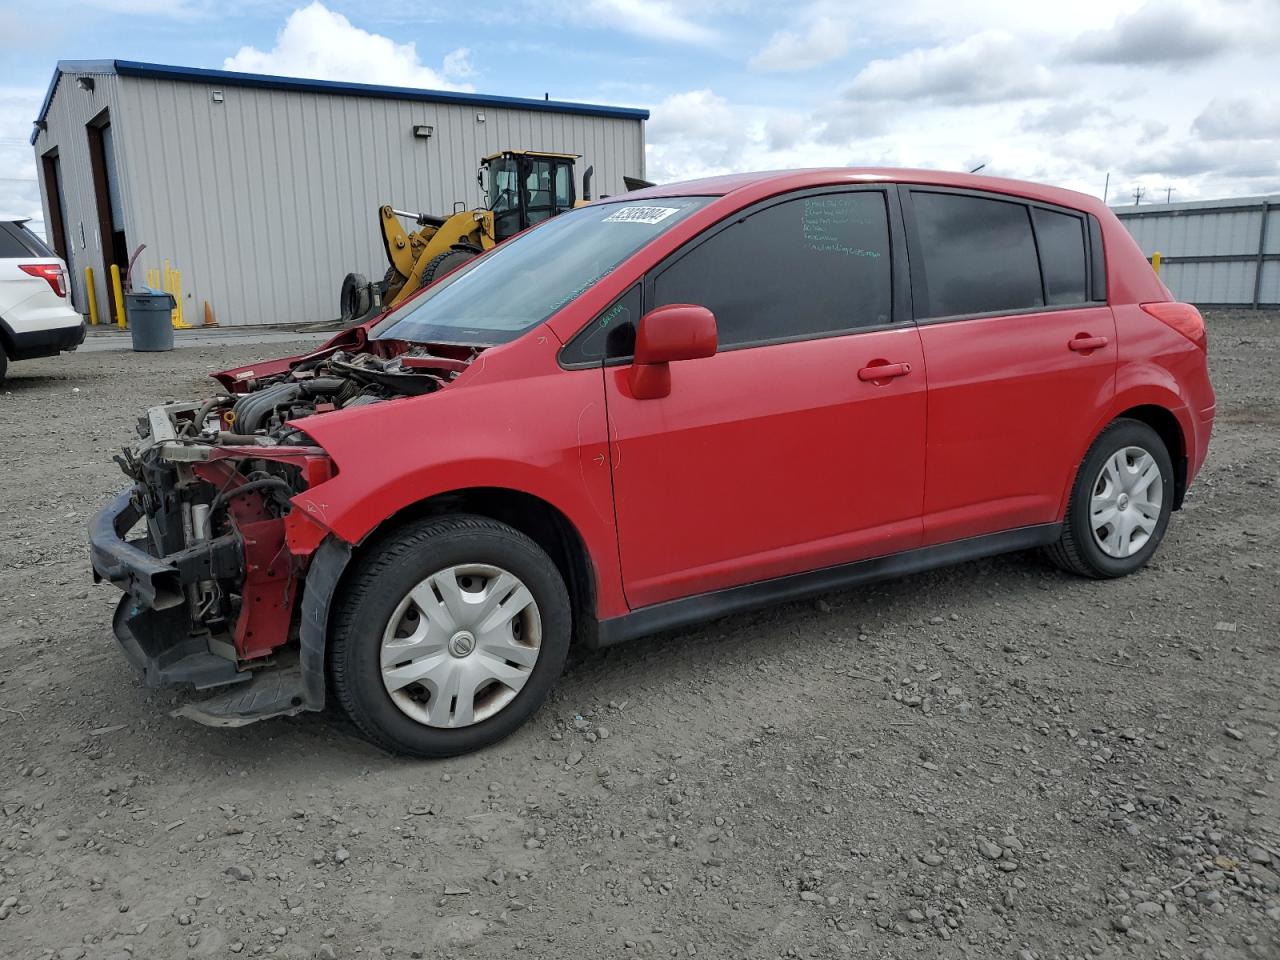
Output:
x,y
69,111
1273,231
1204,233
1269,291
265,201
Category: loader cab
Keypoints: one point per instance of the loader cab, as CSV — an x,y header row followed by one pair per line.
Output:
x,y
525,187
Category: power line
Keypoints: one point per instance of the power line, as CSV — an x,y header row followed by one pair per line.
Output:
x,y
19,179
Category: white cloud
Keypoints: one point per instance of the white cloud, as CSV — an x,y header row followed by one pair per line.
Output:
x,y
318,43
987,67
822,35
653,19
696,133
1240,118
1159,32
457,65
1001,82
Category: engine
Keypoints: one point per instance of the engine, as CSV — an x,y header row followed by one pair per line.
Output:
x,y
259,414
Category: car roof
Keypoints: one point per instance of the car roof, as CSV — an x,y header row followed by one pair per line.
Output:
x,y
768,182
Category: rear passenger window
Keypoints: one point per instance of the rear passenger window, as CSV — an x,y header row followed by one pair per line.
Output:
x,y
979,255
1060,237
806,267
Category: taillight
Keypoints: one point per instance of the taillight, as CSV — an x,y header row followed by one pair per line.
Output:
x,y
1183,317
49,271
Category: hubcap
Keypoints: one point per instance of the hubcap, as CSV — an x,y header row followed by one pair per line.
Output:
x,y
461,645
1126,503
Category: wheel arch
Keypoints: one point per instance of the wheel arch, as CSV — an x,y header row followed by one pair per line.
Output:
x,y
1159,412
533,516
538,519
1163,421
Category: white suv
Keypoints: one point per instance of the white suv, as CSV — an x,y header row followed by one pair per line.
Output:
x,y
36,318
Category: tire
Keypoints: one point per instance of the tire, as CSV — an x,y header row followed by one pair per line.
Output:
x,y
355,299
377,614
443,263
1123,535
4,364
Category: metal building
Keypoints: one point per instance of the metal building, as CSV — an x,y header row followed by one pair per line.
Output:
x,y
259,192
1213,252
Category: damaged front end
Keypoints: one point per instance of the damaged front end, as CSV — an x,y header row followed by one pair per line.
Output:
x,y
226,584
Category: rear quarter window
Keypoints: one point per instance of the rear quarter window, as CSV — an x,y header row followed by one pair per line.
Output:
x,y
1061,239
12,245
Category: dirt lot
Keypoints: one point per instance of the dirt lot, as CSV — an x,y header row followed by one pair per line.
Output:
x,y
995,760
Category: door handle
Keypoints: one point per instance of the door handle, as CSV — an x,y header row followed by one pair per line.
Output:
x,y
1082,342
884,371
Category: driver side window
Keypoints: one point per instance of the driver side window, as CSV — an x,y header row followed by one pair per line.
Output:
x,y
813,266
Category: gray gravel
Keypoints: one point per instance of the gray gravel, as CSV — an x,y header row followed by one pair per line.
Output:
x,y
995,760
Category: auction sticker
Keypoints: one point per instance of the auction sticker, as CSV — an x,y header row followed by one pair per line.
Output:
x,y
641,214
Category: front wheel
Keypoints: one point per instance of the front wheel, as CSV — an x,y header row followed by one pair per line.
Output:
x,y
449,634
1120,504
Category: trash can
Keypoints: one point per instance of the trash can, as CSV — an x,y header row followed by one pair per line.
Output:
x,y
150,317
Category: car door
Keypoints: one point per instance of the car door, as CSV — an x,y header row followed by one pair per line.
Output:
x,y
788,450
1021,350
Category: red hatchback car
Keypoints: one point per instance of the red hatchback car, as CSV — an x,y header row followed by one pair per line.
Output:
x,y
649,411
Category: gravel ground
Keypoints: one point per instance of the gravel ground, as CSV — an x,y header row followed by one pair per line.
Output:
x,y
994,760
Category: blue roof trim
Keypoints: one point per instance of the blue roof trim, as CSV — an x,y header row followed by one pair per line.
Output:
x,y
160,71
68,66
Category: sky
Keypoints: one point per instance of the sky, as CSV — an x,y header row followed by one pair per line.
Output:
x,y
1178,98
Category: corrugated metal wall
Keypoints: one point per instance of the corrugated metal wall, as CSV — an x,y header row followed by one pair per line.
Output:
x,y
72,109
1214,252
266,200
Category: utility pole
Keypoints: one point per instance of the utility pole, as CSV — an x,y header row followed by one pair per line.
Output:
x,y
1137,196
1168,194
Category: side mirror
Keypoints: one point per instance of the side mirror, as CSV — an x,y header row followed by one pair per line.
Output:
x,y
678,331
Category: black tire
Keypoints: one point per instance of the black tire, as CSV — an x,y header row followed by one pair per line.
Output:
x,y
4,364
355,299
1077,551
383,576
443,263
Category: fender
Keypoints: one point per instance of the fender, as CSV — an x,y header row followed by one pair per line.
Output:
x,y
490,428
1148,394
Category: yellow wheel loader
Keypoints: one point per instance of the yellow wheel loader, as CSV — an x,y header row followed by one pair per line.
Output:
x,y
522,187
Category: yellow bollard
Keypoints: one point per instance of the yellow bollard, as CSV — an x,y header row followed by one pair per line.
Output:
x,y
1155,262
92,294
119,292
179,322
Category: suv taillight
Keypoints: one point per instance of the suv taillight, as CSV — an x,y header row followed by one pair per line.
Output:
x,y
52,272
1183,317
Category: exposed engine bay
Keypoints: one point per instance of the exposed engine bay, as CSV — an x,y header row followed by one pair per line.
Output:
x,y
212,585
258,409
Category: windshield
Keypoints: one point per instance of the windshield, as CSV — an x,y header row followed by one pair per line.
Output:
x,y
520,283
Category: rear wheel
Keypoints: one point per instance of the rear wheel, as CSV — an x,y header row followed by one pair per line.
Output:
x,y
449,635
4,364
1120,504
